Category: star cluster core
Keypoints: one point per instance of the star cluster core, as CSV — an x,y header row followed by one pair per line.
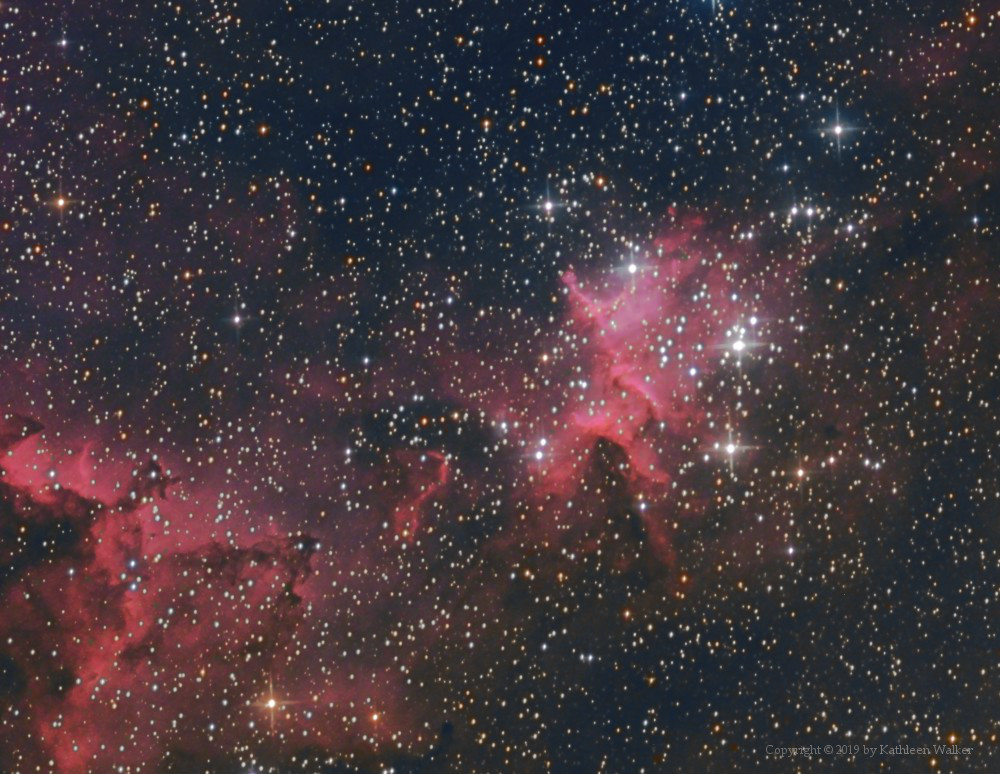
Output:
x,y
476,386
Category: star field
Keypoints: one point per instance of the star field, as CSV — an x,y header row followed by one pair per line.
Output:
x,y
478,386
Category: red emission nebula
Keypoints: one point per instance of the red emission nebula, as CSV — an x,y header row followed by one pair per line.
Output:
x,y
496,387
142,604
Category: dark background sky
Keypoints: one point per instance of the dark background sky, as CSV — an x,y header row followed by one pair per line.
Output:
x,y
497,386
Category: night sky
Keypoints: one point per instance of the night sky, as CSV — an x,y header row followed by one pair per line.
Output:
x,y
404,386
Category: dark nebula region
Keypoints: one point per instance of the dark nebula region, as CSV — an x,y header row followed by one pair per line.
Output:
x,y
486,387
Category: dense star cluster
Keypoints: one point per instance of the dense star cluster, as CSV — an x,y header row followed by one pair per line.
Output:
x,y
475,386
